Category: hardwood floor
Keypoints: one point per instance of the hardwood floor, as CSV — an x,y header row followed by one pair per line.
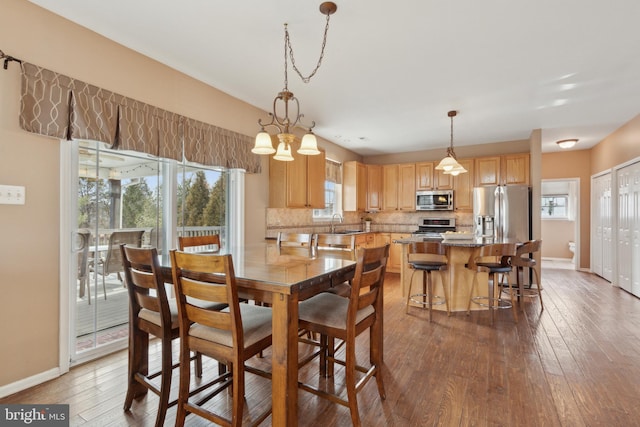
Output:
x,y
575,364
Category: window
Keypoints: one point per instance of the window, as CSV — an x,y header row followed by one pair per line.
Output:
x,y
332,201
555,206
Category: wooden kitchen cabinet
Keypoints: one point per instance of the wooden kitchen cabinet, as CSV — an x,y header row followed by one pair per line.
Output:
x,y
515,168
395,262
399,187
463,187
487,171
374,187
442,181
297,184
354,186
424,176
365,240
382,239
509,169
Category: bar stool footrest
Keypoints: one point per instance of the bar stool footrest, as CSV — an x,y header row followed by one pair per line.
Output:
x,y
497,303
436,300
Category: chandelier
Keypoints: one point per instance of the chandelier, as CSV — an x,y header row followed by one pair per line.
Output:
x,y
291,119
449,164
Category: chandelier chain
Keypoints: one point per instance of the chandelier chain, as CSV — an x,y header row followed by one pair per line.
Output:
x,y
293,61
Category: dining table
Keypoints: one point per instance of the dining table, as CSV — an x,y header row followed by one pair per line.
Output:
x,y
283,279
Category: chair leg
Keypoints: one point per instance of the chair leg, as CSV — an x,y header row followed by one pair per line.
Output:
x,y
238,394
198,364
445,291
426,282
409,292
185,377
513,301
165,384
138,364
539,287
473,286
329,352
375,356
350,368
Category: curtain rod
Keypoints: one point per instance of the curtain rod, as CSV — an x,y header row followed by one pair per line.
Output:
x,y
8,58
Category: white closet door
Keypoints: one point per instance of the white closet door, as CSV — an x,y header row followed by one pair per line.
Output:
x,y
634,212
625,226
601,226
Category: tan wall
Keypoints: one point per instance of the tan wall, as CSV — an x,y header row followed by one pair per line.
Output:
x,y
574,164
619,147
464,152
556,235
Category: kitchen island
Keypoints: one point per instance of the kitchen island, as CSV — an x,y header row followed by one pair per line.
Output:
x,y
458,278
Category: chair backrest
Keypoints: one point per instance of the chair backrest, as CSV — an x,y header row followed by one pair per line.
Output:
x,y
211,278
366,286
113,259
209,243
142,275
335,243
295,243
432,252
496,254
522,257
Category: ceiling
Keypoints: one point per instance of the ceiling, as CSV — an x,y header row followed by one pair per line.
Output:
x,y
392,71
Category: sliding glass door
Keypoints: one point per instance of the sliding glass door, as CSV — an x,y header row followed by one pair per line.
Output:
x,y
132,198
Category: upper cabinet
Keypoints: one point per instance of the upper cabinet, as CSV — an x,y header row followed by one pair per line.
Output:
x,y
463,187
487,170
297,184
502,170
424,176
428,178
374,187
399,187
354,186
515,169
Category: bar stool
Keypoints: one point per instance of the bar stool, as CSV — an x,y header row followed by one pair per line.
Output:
x,y
493,259
427,257
524,260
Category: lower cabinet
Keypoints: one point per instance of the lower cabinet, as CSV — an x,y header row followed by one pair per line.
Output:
x,y
395,262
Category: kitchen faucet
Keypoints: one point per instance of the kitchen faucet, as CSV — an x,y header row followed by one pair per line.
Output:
x,y
332,218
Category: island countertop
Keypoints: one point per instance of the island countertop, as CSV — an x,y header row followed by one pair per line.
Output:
x,y
473,242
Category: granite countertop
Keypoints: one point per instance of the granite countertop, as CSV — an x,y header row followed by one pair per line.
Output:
x,y
472,242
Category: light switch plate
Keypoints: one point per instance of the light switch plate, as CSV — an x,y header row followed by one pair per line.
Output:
x,y
12,195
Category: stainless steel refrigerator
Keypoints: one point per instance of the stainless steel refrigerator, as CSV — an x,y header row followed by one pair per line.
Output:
x,y
503,212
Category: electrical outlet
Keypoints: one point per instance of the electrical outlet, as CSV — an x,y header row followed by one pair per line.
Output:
x,y
12,194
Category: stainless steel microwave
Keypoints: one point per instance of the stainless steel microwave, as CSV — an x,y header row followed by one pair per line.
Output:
x,y
434,200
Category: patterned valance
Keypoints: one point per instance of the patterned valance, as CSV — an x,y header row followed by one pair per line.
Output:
x,y
61,107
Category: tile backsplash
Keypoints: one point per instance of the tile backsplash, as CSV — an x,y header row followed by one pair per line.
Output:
x,y
301,221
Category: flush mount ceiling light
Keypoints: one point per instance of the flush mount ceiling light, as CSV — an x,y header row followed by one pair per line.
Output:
x,y
449,164
309,144
567,143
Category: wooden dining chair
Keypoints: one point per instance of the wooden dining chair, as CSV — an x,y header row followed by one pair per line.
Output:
x,y
150,313
345,318
524,263
295,244
233,335
495,260
209,243
427,257
336,245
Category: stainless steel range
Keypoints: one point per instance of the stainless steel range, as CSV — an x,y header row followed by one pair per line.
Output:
x,y
432,227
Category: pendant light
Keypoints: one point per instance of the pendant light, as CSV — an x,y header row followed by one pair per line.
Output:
x,y
309,143
449,164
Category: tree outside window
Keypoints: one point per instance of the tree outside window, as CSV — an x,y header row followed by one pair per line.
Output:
x,y
555,206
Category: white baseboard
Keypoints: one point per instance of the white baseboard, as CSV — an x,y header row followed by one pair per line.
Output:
x,y
25,383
